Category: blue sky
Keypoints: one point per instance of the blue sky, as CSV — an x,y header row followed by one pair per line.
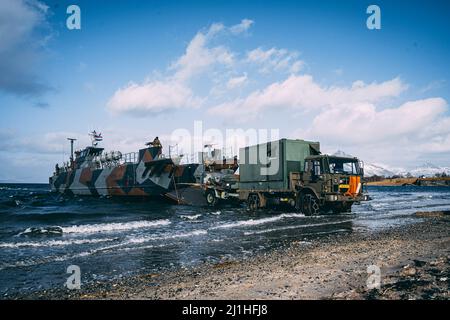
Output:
x,y
137,69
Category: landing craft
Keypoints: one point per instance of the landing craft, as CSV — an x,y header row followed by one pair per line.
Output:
x,y
147,173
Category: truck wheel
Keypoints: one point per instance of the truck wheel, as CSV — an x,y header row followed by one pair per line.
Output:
x,y
309,205
211,199
253,202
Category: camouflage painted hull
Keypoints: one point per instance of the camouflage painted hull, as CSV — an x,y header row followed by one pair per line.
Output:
x,y
148,178
123,180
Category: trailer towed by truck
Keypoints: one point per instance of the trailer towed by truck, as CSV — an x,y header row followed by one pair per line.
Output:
x,y
292,173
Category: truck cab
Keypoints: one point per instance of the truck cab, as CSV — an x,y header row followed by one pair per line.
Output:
x,y
330,183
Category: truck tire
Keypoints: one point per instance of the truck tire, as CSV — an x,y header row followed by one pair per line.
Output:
x,y
252,202
309,205
211,198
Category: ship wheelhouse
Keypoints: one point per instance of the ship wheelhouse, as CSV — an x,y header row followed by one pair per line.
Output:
x,y
87,155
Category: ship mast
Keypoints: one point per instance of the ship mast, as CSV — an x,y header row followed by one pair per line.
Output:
x,y
71,147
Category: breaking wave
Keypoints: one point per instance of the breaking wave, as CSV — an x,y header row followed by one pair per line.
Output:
x,y
167,237
53,243
253,222
191,217
117,226
94,228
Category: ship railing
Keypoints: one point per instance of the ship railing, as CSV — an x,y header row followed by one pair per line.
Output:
x,y
64,167
131,157
190,158
199,157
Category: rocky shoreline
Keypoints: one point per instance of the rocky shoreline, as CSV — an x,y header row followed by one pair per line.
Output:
x,y
413,260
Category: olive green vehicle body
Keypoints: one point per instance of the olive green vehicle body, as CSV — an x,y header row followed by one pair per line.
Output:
x,y
294,172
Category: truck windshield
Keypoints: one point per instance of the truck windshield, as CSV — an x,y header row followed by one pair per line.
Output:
x,y
345,166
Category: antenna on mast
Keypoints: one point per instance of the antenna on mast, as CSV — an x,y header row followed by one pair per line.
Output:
x,y
71,147
95,138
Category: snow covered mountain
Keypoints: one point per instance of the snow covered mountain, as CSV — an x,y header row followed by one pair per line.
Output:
x,y
427,170
372,169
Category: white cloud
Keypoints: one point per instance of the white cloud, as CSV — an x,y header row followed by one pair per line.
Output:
x,y
275,60
436,144
18,21
363,123
415,131
302,92
214,29
198,56
241,27
296,66
237,81
174,91
152,97
23,33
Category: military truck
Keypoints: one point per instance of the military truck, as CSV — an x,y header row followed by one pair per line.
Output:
x,y
294,173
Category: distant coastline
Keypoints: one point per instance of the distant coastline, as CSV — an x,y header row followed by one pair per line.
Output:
x,y
23,183
436,181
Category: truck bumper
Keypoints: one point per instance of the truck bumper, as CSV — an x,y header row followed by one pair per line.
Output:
x,y
344,198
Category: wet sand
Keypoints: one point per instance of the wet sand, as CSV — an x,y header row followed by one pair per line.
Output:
x,y
413,260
